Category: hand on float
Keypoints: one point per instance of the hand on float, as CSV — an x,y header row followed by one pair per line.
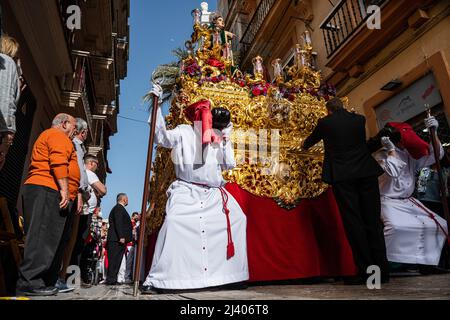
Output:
x,y
388,144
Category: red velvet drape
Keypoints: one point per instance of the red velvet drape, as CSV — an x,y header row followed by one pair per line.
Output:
x,y
308,241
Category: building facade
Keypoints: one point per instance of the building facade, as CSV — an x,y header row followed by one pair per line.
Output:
x,y
73,55
388,71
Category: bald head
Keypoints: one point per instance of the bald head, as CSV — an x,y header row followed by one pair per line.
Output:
x,y
66,123
122,198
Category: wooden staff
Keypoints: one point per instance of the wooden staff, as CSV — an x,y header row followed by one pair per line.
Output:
x,y
140,248
437,153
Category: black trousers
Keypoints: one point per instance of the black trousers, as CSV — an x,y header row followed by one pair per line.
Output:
x,y
44,227
359,204
55,268
116,250
83,232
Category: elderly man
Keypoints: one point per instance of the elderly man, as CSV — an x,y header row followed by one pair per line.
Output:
x,y
119,234
48,197
9,94
73,221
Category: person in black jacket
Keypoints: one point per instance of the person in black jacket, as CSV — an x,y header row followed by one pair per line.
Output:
x,y
119,234
353,173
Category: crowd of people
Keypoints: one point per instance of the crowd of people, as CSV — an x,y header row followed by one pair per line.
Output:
x,y
63,222
61,199
387,190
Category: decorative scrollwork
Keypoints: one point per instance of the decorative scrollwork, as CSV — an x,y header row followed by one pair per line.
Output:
x,y
271,122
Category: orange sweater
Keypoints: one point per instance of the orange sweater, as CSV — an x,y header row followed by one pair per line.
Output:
x,y
54,157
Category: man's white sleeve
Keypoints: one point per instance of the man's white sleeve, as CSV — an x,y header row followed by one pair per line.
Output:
x,y
163,137
430,159
391,165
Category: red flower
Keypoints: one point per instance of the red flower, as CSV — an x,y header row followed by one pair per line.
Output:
x,y
216,63
256,91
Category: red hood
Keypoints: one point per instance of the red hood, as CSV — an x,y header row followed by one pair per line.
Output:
x,y
416,147
201,111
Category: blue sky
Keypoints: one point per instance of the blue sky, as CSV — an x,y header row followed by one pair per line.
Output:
x,y
156,28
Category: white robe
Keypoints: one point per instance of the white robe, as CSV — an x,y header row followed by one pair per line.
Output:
x,y
412,236
191,249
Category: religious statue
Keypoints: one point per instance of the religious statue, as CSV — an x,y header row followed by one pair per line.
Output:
x,y
221,39
205,14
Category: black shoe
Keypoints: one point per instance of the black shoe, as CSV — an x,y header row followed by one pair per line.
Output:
x,y
110,283
37,292
354,281
236,286
148,290
429,270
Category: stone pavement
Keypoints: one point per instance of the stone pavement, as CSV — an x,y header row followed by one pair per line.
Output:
x,y
400,288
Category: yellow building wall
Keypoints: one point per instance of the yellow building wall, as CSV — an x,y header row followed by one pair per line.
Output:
x,y
435,40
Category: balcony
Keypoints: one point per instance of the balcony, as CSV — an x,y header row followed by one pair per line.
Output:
x,y
346,18
260,15
348,40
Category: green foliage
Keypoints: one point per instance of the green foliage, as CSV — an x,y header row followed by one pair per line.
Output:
x,y
166,75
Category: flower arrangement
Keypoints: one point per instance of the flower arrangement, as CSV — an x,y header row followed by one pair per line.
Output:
x,y
260,89
192,68
290,93
327,91
240,81
215,79
213,62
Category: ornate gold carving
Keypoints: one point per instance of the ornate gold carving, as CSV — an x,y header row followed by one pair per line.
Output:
x,y
270,126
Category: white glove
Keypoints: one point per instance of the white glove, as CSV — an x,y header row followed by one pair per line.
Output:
x,y
387,143
431,122
156,90
226,132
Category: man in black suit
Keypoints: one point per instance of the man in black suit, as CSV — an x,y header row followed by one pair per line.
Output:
x,y
353,173
119,234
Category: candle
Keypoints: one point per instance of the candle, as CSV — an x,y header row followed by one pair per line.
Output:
x,y
307,38
196,13
257,65
276,68
299,59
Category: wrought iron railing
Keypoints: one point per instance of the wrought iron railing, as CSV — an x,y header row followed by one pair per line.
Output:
x,y
255,24
345,19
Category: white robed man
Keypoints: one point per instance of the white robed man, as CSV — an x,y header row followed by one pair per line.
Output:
x,y
202,242
414,234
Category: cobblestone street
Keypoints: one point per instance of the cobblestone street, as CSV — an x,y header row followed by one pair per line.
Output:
x,y
400,288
